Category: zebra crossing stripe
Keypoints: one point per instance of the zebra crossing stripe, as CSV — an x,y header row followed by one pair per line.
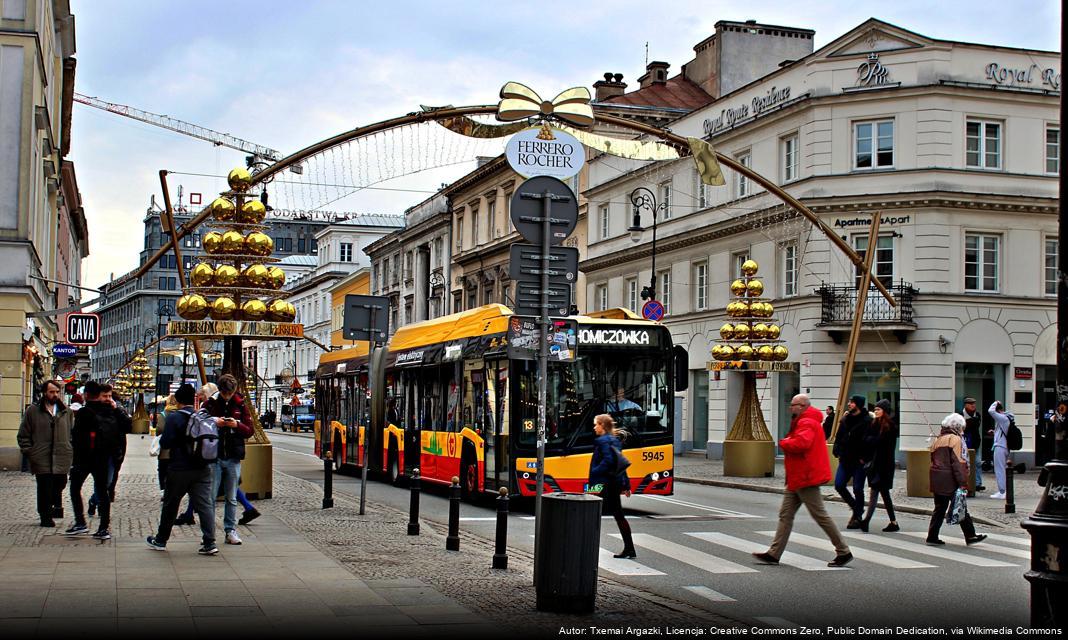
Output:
x,y
623,566
992,548
1016,540
709,594
703,561
922,549
790,559
864,554
701,507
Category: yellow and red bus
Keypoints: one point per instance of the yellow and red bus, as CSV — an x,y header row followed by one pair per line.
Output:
x,y
449,400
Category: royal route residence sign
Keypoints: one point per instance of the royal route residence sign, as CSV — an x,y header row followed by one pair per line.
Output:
x,y
544,151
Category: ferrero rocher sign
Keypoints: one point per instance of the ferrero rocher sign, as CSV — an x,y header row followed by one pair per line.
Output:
x,y
234,328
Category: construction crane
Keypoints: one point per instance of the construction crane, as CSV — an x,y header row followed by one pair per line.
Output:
x,y
259,153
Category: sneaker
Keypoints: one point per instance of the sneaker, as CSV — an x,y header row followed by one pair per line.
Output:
x,y
248,516
208,549
892,527
185,520
864,526
841,560
936,542
977,539
154,545
232,537
77,530
766,557
853,524
998,496
980,488
102,534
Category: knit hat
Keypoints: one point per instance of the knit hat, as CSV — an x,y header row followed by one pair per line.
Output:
x,y
884,404
859,400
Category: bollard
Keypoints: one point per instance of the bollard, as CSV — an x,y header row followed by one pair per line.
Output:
x,y
1010,493
328,480
452,541
500,556
413,510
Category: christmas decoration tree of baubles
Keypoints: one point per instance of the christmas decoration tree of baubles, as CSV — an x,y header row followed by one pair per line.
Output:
x,y
236,280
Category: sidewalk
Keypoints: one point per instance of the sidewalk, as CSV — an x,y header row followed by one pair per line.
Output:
x,y
696,469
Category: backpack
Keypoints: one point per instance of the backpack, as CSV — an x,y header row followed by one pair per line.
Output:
x,y
109,437
203,432
1014,437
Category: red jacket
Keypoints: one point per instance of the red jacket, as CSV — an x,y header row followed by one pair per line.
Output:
x,y
807,462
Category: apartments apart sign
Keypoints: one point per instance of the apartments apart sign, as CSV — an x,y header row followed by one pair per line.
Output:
x,y
731,116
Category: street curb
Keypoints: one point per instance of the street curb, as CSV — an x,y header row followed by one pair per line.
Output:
x,y
727,484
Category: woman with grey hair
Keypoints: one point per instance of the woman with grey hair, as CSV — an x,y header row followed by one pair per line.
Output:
x,y
949,471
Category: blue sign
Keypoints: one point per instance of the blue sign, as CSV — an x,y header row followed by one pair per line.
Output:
x,y
64,350
653,310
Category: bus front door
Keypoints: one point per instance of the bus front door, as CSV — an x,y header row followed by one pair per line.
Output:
x,y
412,439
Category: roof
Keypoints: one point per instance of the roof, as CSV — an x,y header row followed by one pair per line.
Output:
x,y
300,260
373,220
678,92
490,319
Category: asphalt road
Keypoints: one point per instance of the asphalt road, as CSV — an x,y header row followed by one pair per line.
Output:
x,y
694,547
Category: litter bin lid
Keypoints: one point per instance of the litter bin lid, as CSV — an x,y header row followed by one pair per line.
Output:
x,y
574,497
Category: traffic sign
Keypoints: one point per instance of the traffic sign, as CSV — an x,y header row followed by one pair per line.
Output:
x,y
528,298
357,318
653,310
83,329
526,263
64,350
527,210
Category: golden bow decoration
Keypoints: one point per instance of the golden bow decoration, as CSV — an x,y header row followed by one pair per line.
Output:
x,y
519,101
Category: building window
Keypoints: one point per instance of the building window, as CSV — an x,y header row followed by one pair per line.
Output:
x,y
472,298
457,302
744,186
665,289
1050,269
632,294
474,228
374,276
874,144
700,288
981,262
1053,149
700,191
737,260
302,244
346,251
439,252
506,295
491,217
789,270
983,150
602,297
665,200
790,158
883,265
602,213
459,232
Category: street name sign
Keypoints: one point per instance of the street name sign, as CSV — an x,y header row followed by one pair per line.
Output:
x,y
83,329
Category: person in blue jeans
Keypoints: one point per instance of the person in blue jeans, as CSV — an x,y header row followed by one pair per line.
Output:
x,y
235,426
851,449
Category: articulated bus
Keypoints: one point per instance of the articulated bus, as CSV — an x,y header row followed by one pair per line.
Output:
x,y
448,399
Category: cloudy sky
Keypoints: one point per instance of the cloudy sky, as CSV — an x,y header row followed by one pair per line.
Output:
x,y
287,74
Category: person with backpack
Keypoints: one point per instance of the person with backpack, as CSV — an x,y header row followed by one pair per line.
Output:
x,y
44,438
192,440
1002,421
235,426
608,477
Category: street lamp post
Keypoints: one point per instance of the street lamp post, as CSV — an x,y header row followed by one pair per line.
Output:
x,y
643,198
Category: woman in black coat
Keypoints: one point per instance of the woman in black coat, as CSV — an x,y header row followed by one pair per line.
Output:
x,y
608,479
882,440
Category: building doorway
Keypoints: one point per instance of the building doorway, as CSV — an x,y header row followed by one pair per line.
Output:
x,y
699,408
986,383
879,381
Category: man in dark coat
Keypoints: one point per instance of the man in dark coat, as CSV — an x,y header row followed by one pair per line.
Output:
x,y
973,437
852,452
44,437
98,436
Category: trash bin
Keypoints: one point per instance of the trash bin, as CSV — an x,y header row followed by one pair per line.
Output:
x,y
565,561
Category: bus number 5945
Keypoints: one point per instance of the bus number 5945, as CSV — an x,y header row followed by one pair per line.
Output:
x,y
652,455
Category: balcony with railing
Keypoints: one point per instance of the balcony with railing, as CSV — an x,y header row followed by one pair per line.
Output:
x,y
839,304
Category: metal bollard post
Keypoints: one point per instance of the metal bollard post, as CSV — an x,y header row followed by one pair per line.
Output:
x,y
328,480
413,510
500,556
1010,493
452,541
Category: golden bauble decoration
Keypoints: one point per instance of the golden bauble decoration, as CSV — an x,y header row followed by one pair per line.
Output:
x,y
717,352
212,242
767,309
255,276
728,352
223,308
253,310
760,331
239,179
765,353
223,209
744,352
741,310
258,244
226,275
233,242
281,311
291,313
750,267
278,277
781,353
252,212
756,309
741,331
192,307
755,288
726,331
738,287
773,332
201,275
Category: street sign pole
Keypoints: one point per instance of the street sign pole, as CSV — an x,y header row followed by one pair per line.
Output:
x,y
543,354
370,384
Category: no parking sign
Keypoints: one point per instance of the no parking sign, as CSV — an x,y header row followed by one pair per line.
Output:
x,y
653,310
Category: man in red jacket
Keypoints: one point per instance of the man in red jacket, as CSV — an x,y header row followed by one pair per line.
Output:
x,y
807,467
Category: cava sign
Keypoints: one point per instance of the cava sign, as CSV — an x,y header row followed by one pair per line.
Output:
x,y
83,329
544,151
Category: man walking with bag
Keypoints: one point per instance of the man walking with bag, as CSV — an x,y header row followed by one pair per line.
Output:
x,y
44,438
807,467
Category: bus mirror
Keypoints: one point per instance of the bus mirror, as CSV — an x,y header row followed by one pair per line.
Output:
x,y
682,371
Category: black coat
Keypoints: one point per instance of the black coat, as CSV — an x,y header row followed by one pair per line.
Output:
x,y
850,445
883,445
973,429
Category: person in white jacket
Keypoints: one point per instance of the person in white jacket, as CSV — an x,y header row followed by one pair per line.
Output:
x,y
1001,445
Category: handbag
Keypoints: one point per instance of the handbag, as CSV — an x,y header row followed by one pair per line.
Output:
x,y
958,507
154,447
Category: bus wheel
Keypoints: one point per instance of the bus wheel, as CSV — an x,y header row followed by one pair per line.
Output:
x,y
469,477
338,451
394,465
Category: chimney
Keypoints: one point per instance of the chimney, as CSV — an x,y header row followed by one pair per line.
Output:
x,y
610,87
655,73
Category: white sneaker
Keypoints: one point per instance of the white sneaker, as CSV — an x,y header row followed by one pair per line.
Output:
x,y
998,496
232,537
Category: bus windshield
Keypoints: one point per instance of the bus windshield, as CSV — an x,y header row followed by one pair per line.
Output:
x,y
302,410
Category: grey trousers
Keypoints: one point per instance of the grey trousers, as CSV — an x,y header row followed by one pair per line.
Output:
x,y
197,484
1001,458
813,501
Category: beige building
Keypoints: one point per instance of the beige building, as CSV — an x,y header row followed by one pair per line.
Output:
x,y
36,90
957,144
